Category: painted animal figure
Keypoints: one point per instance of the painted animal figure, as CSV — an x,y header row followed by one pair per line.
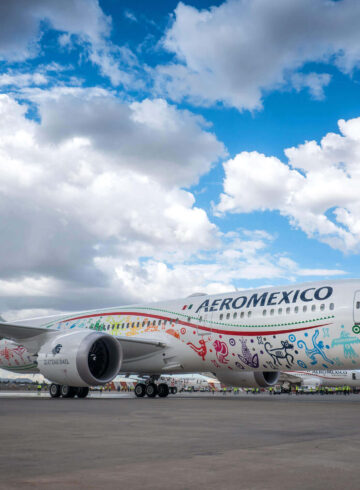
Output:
x,y
317,350
280,353
202,350
246,357
222,351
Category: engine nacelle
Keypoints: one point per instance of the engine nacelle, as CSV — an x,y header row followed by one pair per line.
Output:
x,y
248,379
80,358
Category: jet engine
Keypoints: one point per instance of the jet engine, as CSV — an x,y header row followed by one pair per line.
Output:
x,y
248,379
81,358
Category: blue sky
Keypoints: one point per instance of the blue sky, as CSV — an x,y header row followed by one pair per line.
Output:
x,y
153,149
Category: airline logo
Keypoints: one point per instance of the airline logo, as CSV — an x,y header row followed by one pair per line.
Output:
x,y
187,307
267,299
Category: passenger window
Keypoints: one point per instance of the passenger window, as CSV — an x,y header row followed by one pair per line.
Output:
x,y
304,308
249,313
272,311
189,318
358,304
288,310
137,324
296,309
154,323
221,316
264,312
235,315
227,316
280,311
159,322
242,314
331,306
313,307
322,307
112,328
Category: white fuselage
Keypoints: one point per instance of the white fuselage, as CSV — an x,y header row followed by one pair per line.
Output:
x,y
328,378
296,327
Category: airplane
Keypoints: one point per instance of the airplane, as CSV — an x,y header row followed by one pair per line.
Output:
x,y
245,338
322,378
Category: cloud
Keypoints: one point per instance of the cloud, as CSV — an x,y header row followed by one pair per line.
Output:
x,y
80,22
151,137
20,20
90,218
317,190
90,187
240,50
315,82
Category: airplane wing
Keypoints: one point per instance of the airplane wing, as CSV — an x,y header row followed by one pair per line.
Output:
x,y
133,347
137,347
19,333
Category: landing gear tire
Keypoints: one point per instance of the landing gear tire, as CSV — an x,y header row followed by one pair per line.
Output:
x,y
55,390
68,391
151,390
173,390
140,390
163,390
83,392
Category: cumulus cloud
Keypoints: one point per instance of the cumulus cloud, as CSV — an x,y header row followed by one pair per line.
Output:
x,y
152,137
317,190
89,220
65,201
22,24
314,82
237,51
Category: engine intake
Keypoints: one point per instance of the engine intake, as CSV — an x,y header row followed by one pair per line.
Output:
x,y
80,358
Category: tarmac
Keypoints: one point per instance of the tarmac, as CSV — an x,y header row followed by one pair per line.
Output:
x,y
181,442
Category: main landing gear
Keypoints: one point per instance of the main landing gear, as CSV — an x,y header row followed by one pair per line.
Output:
x,y
66,391
151,389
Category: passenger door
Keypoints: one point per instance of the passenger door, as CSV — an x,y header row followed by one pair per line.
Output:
x,y
204,321
357,307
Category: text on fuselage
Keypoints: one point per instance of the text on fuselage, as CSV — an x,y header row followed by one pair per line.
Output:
x,y
267,299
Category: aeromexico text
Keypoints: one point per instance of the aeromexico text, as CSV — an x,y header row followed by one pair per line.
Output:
x,y
267,299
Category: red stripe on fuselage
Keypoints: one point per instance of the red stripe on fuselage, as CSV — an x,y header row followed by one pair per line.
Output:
x,y
200,327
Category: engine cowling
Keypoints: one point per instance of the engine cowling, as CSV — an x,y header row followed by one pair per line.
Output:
x,y
80,358
248,379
